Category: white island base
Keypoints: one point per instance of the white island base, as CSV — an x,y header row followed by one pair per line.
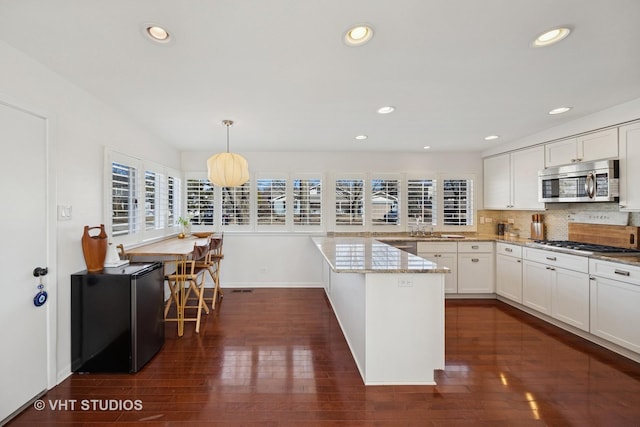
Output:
x,y
393,323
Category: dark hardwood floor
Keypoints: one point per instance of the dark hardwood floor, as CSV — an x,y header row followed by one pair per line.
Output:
x,y
277,357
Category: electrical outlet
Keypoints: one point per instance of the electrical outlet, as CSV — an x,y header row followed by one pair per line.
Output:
x,y
488,220
405,283
511,221
481,220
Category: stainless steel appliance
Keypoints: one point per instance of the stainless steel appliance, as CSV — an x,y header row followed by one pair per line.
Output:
x,y
580,182
582,248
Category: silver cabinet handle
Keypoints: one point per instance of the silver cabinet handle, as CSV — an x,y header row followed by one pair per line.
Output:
x,y
621,272
550,268
551,258
475,260
475,247
508,250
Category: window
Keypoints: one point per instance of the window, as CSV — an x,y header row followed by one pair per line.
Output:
x,y
142,199
457,202
307,202
173,200
200,201
236,205
155,206
349,202
384,202
271,201
420,201
124,202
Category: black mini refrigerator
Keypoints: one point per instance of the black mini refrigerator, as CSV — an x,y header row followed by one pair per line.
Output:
x,y
117,322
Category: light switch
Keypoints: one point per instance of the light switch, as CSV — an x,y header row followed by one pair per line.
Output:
x,y
64,212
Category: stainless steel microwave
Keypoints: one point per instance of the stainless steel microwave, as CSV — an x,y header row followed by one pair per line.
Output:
x,y
580,182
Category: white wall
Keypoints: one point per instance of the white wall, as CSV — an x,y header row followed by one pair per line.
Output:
x,y
83,127
280,260
618,114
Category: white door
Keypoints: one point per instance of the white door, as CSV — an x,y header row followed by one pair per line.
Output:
x,y
24,231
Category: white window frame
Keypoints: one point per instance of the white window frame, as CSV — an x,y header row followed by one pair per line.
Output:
x,y
288,216
323,191
331,206
471,215
141,234
400,225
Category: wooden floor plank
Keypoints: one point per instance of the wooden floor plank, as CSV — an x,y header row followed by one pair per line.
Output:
x,y
277,357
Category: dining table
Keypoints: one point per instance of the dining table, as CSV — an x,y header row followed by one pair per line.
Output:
x,y
175,251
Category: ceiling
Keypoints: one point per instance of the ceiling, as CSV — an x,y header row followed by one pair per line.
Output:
x,y
456,71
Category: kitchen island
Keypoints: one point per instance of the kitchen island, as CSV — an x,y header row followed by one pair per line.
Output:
x,y
390,306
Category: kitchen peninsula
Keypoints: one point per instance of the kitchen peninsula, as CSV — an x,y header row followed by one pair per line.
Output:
x,y
390,306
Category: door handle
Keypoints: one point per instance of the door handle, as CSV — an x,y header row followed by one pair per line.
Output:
x,y
40,271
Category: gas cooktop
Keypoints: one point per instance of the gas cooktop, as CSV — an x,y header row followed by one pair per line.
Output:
x,y
585,248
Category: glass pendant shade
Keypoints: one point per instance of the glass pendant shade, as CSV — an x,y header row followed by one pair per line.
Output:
x,y
228,169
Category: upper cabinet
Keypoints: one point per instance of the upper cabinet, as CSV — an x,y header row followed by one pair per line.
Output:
x,y
511,180
630,167
593,146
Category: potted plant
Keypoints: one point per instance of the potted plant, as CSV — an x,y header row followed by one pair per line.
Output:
x,y
185,227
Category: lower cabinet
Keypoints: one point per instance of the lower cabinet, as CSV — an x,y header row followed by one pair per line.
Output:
x,y
449,260
509,271
446,255
476,268
570,298
615,303
562,293
536,286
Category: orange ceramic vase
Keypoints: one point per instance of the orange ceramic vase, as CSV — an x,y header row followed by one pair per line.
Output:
x,y
94,248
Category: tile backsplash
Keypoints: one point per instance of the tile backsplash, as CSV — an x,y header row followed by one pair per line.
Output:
x,y
556,218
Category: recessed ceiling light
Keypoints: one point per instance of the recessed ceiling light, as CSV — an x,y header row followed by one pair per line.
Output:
x,y
550,37
358,35
386,110
491,137
426,147
157,33
559,110
361,137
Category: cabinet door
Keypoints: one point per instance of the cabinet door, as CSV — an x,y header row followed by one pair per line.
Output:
x,y
598,145
525,165
561,152
570,298
614,312
497,182
449,260
536,286
509,277
475,273
630,167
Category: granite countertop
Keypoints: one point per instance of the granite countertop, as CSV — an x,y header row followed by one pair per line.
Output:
x,y
368,255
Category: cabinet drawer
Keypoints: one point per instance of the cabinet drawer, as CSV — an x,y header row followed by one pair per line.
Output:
x,y
509,250
469,247
557,259
613,270
444,247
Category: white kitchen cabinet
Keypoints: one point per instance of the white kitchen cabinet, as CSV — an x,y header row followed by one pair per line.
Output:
x,y
592,146
536,286
511,180
630,167
615,298
570,297
557,285
476,268
444,254
509,271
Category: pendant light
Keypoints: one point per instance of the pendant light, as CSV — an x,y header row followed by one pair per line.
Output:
x,y
227,169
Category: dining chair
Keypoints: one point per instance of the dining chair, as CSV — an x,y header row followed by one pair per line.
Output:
x,y
191,276
212,264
